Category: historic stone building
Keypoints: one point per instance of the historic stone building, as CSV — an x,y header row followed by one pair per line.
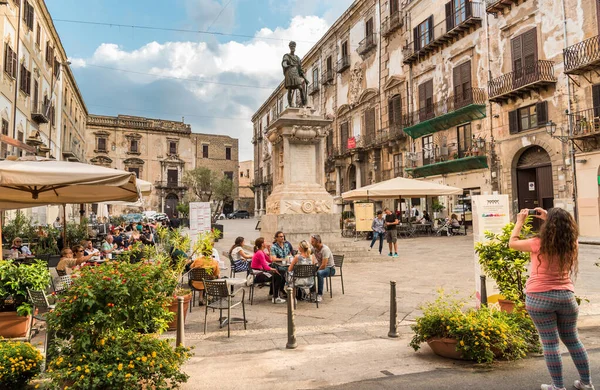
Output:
x,y
486,96
158,151
246,181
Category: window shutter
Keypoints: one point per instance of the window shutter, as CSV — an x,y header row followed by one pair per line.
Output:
x,y
393,6
370,124
513,121
391,111
517,53
449,16
529,42
456,82
596,99
429,90
422,96
397,110
430,28
468,8
7,60
417,43
541,110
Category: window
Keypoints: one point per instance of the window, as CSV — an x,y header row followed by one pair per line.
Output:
x,y
329,64
426,101
596,99
25,81
101,144
10,61
395,111
133,146
229,175
428,150
456,13
461,76
423,34
344,135
172,148
370,124
329,144
36,96
369,28
228,153
65,97
28,15
315,76
20,136
524,53
49,53
4,146
38,35
204,151
527,118
393,6
52,116
134,170
345,49
242,174
172,177
464,138
398,169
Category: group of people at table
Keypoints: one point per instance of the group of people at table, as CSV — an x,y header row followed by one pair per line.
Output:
x,y
274,263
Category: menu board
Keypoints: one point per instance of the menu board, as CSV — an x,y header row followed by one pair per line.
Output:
x,y
490,213
364,216
200,217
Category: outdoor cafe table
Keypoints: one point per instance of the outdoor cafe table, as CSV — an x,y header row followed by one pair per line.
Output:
x,y
232,283
423,228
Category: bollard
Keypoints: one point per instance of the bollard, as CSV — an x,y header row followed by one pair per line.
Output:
x,y
393,311
291,343
180,322
483,299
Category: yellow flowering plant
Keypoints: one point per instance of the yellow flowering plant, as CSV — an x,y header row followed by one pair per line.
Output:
x,y
19,363
482,334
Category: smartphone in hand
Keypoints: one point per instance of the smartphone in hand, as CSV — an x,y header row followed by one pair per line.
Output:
x,y
532,212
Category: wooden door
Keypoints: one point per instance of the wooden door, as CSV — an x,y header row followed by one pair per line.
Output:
x,y
545,189
527,188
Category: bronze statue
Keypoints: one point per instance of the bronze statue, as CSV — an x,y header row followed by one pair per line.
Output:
x,y
294,75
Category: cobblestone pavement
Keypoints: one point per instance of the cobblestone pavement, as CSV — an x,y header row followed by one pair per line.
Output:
x,y
345,339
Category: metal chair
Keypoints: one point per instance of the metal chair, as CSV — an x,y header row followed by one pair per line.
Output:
x,y
39,299
304,271
53,261
219,298
64,282
197,275
61,272
253,285
338,261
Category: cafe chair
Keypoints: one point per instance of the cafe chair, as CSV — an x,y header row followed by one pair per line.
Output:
x,y
338,261
41,307
218,297
197,275
304,271
64,282
255,283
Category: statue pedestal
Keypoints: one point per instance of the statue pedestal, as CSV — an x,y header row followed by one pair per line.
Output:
x,y
299,204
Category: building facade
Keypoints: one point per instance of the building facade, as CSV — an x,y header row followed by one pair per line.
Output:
x,y
485,96
158,151
246,189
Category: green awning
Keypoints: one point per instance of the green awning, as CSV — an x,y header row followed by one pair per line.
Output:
x,y
451,166
443,122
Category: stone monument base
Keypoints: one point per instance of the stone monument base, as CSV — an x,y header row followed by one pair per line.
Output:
x,y
298,227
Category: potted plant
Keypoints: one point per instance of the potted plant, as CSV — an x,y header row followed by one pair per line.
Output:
x,y
453,330
506,266
437,207
178,246
15,308
19,363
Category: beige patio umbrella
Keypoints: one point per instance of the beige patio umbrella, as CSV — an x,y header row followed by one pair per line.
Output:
x,y
400,187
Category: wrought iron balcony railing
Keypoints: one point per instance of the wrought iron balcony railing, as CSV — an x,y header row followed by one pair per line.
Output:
x,y
392,23
583,56
343,64
327,77
313,88
367,44
517,82
447,159
169,184
40,112
585,122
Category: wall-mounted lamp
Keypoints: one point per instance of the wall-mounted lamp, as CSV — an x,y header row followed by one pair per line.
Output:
x,y
582,161
551,130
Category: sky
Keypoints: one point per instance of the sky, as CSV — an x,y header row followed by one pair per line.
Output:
x,y
216,82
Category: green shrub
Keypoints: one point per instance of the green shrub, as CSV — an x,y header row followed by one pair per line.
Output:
x,y
19,363
16,279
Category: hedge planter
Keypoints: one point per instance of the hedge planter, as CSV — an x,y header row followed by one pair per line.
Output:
x,y
445,347
173,309
13,325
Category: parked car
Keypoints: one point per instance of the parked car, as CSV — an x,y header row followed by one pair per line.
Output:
x,y
221,216
239,214
135,217
160,217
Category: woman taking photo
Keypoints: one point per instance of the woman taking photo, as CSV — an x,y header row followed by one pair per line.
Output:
x,y
550,297
267,274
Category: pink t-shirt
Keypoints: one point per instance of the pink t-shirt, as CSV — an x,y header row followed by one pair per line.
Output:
x,y
260,261
543,276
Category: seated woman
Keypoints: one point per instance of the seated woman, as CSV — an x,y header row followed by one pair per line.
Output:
x,y
304,257
211,266
79,253
454,224
67,261
260,263
239,256
17,244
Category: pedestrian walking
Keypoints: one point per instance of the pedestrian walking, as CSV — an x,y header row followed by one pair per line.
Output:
x,y
550,297
391,231
378,230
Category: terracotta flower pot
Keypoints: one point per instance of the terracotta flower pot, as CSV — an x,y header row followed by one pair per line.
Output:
x,y
173,309
506,305
445,347
13,325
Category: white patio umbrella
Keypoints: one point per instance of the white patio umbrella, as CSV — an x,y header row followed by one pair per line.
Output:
x,y
400,187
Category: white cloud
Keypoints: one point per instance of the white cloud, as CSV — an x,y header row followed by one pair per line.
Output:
x,y
256,62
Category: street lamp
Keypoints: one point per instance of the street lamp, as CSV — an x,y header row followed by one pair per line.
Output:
x,y
551,130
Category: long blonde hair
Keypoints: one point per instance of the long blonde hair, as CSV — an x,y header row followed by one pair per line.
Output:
x,y
304,245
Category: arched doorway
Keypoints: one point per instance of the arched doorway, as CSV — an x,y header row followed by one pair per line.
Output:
x,y
535,187
352,177
171,202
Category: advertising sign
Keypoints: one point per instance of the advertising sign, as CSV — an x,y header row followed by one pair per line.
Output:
x,y
490,213
351,143
364,216
200,217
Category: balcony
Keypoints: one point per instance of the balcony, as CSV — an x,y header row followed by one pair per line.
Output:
x,y
392,23
170,184
522,81
40,112
343,64
585,125
72,153
327,77
446,113
583,56
498,6
455,26
444,160
390,135
367,44
313,88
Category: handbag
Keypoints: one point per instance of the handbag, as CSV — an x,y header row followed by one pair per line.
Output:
x,y
250,279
